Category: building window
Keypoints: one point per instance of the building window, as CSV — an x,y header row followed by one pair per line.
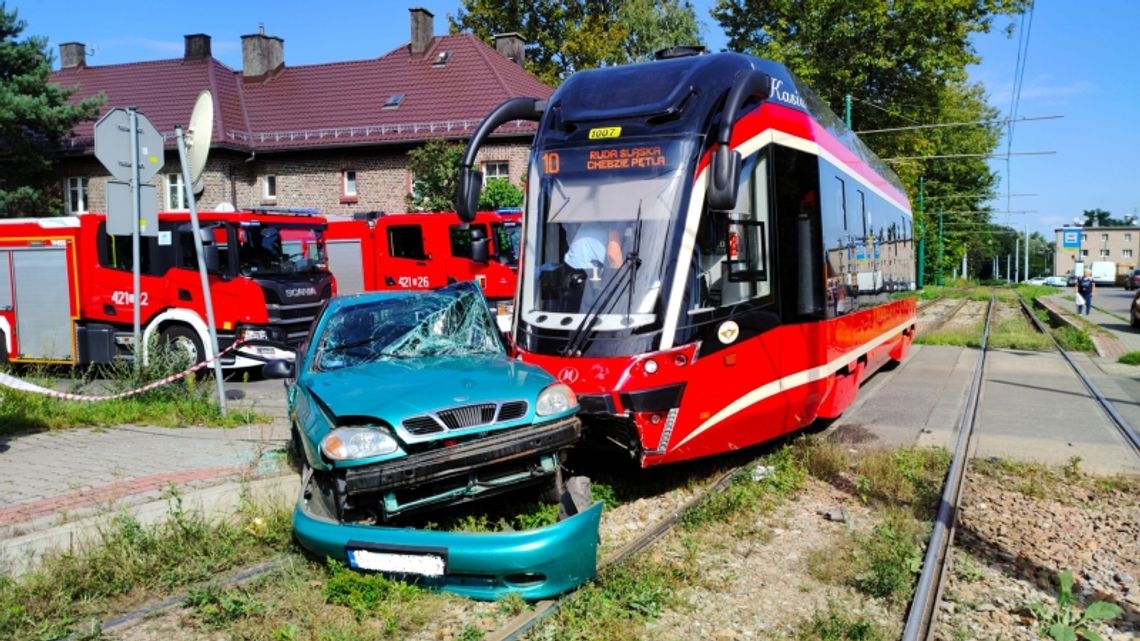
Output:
x,y
1085,253
269,188
76,195
348,186
1104,253
496,171
1127,237
1127,253
176,193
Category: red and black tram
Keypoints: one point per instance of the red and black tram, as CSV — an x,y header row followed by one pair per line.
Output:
x,y
710,259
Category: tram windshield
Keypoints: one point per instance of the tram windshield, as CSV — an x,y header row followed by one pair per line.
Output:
x,y
605,222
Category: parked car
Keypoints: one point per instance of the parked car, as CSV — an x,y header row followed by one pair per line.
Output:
x,y
408,400
1036,280
1071,280
1136,310
1056,281
1132,280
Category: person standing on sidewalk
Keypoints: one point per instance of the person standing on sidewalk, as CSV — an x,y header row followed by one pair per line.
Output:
x,y
1085,288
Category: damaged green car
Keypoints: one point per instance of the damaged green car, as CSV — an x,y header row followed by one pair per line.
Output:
x,y
405,401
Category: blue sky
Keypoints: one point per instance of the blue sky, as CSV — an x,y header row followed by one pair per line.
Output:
x,y
1083,63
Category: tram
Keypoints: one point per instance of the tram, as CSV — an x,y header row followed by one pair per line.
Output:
x,y
710,258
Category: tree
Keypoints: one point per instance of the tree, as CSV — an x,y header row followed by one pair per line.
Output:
x,y
434,169
563,36
905,64
1101,218
499,194
35,117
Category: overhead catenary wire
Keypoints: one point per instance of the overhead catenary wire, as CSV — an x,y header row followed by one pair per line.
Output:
x,y
964,123
951,156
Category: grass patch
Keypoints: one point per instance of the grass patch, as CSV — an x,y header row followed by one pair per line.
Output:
x,y
1131,358
1033,292
1073,339
526,517
189,401
955,337
839,623
981,294
127,563
1018,334
619,602
1055,482
776,476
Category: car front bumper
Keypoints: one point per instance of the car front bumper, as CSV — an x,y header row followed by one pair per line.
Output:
x,y
535,564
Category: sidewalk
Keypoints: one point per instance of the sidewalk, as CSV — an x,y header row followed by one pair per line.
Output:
x,y
58,486
1117,337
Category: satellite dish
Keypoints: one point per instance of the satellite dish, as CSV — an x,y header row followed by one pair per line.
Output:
x,y
199,186
199,133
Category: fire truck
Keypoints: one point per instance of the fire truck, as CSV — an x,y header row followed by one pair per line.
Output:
x,y
710,258
377,251
67,292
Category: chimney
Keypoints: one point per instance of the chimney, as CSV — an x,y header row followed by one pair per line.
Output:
x,y
72,55
512,47
197,47
261,54
422,28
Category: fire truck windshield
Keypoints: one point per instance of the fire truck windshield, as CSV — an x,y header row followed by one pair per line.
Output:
x,y
605,221
279,249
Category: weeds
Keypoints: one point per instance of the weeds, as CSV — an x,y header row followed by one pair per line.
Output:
x,y
127,560
839,623
780,474
1066,622
888,560
1131,358
1018,334
1074,339
217,608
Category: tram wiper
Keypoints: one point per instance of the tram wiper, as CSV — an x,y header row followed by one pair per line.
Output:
x,y
622,279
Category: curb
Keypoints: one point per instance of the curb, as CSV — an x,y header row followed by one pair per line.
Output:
x,y
20,554
1107,345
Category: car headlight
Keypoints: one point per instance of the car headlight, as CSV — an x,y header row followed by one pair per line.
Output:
x,y
555,399
248,334
348,443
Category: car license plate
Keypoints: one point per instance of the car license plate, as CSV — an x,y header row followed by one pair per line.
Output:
x,y
397,562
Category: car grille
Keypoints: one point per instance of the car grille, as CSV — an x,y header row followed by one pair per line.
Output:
x,y
457,418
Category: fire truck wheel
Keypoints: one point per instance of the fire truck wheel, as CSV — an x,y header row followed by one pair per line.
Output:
x,y
183,340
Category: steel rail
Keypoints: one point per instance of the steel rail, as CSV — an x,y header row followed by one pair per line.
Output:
x,y
1126,429
919,621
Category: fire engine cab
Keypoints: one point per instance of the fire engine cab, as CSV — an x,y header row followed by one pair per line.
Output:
x,y
67,294
375,251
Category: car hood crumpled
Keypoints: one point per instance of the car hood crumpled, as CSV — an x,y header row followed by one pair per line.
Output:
x,y
395,389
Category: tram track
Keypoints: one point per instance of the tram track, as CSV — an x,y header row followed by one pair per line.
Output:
x,y
921,617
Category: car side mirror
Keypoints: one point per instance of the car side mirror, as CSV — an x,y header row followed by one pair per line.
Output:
x,y
279,368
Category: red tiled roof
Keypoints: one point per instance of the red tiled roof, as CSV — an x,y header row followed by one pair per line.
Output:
x,y
320,105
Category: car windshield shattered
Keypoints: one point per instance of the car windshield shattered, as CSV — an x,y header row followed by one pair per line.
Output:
x,y
452,321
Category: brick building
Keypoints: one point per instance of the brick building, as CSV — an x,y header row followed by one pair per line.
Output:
x,y
333,136
1120,245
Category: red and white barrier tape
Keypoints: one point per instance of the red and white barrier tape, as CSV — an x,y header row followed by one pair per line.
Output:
x,y
24,386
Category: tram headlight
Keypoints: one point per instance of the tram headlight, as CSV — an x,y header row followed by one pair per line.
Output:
x,y
555,399
650,366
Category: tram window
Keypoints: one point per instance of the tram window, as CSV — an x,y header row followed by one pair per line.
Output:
x,y
841,199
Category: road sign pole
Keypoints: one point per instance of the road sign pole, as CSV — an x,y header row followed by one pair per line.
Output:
x,y
206,298
136,209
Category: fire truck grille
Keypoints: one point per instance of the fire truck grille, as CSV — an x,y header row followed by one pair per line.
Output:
x,y
294,320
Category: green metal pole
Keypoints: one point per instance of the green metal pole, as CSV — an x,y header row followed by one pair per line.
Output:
x,y
847,110
940,245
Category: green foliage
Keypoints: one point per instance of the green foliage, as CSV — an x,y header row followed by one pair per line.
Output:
x,y
840,623
1018,333
499,194
563,36
365,594
1074,339
1131,358
889,559
1101,218
1066,622
35,117
72,590
216,607
780,474
434,168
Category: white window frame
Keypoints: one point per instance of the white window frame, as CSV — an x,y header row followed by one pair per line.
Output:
x,y
174,182
269,187
1104,253
348,184
1126,253
1104,238
500,168
1127,236
76,187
